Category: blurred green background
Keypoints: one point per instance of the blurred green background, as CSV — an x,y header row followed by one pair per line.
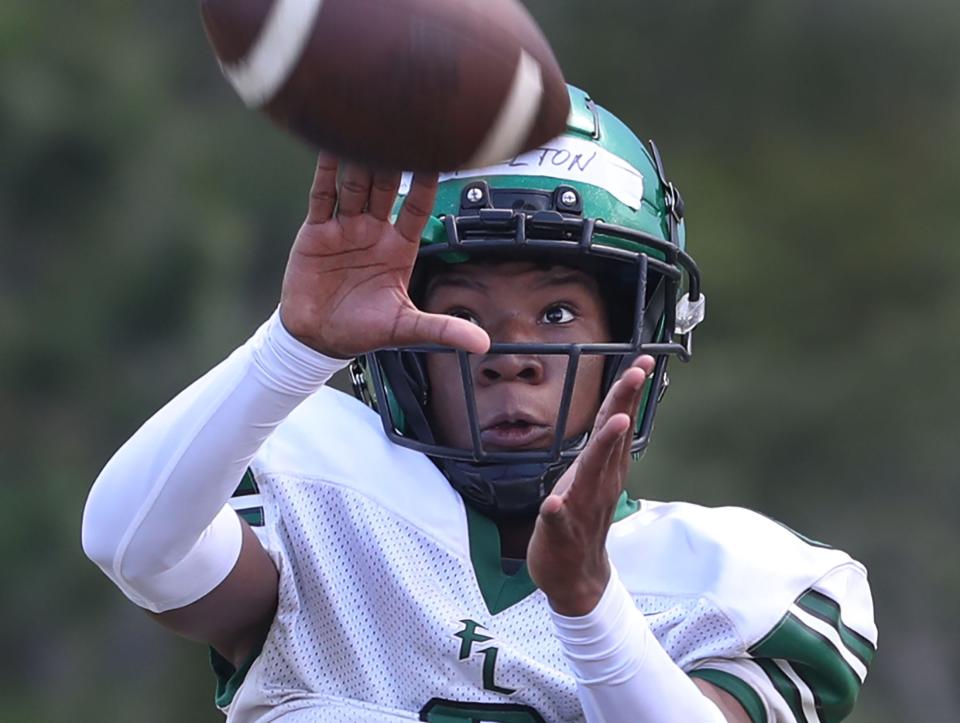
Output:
x,y
145,218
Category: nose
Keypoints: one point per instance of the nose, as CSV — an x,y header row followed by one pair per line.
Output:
x,y
528,368
510,368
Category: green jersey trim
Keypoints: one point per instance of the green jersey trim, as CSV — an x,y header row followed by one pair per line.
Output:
x,y
439,710
247,486
245,500
785,687
745,695
833,684
823,607
253,516
229,679
625,508
499,589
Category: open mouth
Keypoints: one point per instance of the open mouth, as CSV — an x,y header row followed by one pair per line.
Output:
x,y
515,434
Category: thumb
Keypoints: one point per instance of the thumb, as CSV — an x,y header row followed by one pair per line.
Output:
x,y
414,328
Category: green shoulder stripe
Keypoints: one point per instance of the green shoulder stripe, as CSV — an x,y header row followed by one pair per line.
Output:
x,y
745,695
827,609
833,683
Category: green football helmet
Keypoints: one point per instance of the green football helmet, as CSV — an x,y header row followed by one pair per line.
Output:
x,y
597,199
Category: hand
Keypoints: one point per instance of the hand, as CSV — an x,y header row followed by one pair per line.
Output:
x,y
567,555
345,287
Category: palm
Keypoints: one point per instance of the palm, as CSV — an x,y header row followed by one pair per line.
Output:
x,y
568,560
352,278
567,555
345,288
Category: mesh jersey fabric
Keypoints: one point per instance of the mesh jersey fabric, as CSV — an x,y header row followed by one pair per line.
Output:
x,y
393,606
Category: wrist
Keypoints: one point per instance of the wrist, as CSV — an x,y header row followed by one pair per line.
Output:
x,y
595,644
302,332
288,365
584,594
611,607
579,602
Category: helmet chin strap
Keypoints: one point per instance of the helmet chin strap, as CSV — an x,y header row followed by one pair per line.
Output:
x,y
506,491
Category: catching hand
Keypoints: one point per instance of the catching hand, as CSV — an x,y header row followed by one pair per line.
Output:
x,y
345,287
567,555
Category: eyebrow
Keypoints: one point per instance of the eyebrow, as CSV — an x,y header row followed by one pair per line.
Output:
x,y
561,277
456,280
565,277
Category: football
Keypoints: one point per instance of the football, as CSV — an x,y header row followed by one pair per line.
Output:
x,y
425,85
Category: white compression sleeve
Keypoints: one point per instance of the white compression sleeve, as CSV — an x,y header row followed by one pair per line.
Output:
x,y
622,672
157,520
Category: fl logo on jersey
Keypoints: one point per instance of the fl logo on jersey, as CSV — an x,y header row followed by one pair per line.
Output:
x,y
470,637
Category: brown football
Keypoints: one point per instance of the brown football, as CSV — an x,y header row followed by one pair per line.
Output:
x,y
432,85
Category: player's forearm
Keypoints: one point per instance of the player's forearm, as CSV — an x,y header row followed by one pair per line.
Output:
x,y
156,520
622,672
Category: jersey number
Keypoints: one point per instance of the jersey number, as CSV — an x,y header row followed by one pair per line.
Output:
x,y
448,711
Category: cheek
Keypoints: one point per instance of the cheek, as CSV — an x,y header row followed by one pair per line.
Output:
x,y
447,406
586,396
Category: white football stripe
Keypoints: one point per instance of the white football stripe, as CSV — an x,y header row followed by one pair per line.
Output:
x,y
830,633
516,117
275,52
806,696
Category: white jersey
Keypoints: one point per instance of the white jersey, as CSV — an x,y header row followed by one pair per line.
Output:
x,y
393,603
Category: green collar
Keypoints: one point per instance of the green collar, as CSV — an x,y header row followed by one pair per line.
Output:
x,y
500,590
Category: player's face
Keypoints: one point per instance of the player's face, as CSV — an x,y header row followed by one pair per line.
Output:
x,y
518,395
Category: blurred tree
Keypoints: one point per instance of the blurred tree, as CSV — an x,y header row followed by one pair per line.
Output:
x,y
145,218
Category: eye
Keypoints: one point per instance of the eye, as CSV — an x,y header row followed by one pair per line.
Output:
x,y
465,315
558,314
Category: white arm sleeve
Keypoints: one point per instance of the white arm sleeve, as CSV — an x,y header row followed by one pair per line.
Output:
x,y
156,520
622,672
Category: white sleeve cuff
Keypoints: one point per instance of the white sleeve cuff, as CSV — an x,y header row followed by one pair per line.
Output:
x,y
155,520
595,644
288,365
207,564
622,672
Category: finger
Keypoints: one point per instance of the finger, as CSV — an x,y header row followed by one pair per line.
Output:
x,y
647,365
617,401
383,194
620,398
594,470
323,192
417,207
416,328
566,479
627,391
354,191
645,362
